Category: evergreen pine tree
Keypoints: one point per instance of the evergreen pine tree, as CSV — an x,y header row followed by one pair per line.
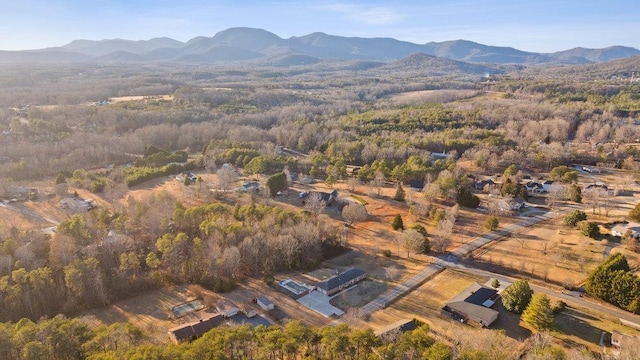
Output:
x,y
517,296
539,313
397,223
400,194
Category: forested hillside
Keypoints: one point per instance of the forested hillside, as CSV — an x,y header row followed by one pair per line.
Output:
x,y
111,130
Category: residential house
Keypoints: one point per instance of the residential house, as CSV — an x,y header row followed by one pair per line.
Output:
x,y
265,303
416,185
621,229
249,309
341,281
518,203
482,184
511,204
442,155
621,341
307,180
227,308
596,185
534,187
546,186
249,186
474,303
21,193
194,330
186,175
76,204
327,198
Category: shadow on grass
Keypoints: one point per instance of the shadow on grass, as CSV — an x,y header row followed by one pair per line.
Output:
x,y
572,322
510,323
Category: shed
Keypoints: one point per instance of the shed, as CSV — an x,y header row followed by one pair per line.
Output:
x,y
227,308
265,303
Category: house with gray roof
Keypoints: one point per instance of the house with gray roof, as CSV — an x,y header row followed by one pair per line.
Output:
x,y
341,281
621,229
475,304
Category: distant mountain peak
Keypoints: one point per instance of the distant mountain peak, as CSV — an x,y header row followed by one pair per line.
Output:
x,y
254,44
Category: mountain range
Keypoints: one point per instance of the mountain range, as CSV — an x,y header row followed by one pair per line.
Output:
x,y
263,47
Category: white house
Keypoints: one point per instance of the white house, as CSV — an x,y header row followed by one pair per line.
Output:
x,y
534,187
227,308
249,186
621,229
265,303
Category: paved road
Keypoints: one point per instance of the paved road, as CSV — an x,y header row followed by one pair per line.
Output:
x,y
440,264
467,248
568,297
451,261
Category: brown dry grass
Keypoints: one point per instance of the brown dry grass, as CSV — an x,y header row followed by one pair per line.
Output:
x,y
424,302
10,218
117,99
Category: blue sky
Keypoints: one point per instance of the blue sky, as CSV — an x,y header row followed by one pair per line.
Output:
x,y
531,25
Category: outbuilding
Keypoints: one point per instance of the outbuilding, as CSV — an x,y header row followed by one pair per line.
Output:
x,y
265,303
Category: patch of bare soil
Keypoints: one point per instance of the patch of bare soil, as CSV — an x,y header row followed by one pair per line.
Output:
x,y
117,99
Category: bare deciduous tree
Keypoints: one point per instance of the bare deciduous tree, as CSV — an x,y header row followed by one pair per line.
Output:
x,y
353,183
557,192
442,240
412,240
314,203
596,197
378,182
431,192
227,176
353,212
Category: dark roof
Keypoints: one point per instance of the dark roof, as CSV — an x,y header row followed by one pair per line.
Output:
x,y
264,301
196,329
327,197
342,278
481,295
534,184
403,325
482,183
603,186
416,184
473,301
241,318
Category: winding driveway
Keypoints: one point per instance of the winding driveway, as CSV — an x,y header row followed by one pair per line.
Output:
x,y
441,263
451,261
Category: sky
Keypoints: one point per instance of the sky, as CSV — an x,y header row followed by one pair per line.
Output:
x,y
530,25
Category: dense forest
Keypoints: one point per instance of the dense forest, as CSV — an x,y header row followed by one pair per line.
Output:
x,y
62,338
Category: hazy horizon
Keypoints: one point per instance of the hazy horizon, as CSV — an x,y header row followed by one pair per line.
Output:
x,y
540,26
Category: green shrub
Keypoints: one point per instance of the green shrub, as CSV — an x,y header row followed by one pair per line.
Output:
x,y
491,223
590,229
574,217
